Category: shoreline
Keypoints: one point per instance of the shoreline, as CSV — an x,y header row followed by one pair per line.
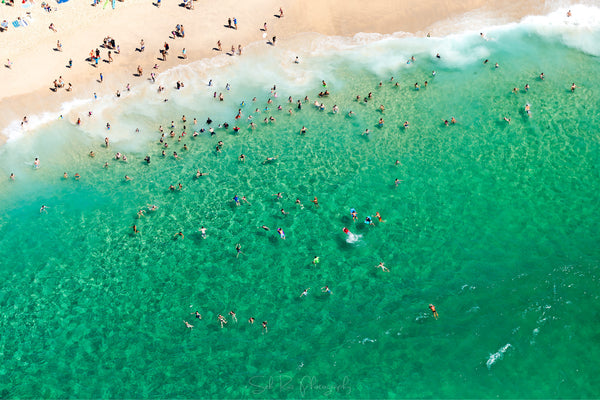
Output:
x,y
26,96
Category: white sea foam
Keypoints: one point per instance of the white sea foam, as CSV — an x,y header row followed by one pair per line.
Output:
x,y
353,238
15,130
497,355
580,31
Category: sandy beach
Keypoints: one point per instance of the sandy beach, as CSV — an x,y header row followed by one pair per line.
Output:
x,y
36,61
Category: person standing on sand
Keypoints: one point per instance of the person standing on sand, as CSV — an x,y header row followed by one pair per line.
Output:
x,y
235,23
219,47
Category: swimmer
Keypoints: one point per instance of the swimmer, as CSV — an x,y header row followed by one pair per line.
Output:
x,y
251,320
573,87
188,325
315,201
238,249
128,178
152,207
383,267
542,76
366,132
92,154
43,209
203,232
378,216
266,228
269,159
140,213
326,289
233,316
316,260
298,202
452,120
222,320
242,158
528,109
406,124
245,200
65,176
305,293
177,235
284,212
354,214
12,176
197,314
236,199
397,181
369,221
134,228
264,325
36,163
278,195
346,231
507,119
281,233
433,311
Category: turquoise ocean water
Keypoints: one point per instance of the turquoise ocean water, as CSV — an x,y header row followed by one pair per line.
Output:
x,y
495,223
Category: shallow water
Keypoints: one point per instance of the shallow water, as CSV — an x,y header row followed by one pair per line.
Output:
x,y
494,223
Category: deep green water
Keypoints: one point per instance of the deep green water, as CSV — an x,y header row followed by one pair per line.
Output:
x,y
494,223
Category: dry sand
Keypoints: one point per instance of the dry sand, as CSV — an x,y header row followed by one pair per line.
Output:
x,y
82,27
